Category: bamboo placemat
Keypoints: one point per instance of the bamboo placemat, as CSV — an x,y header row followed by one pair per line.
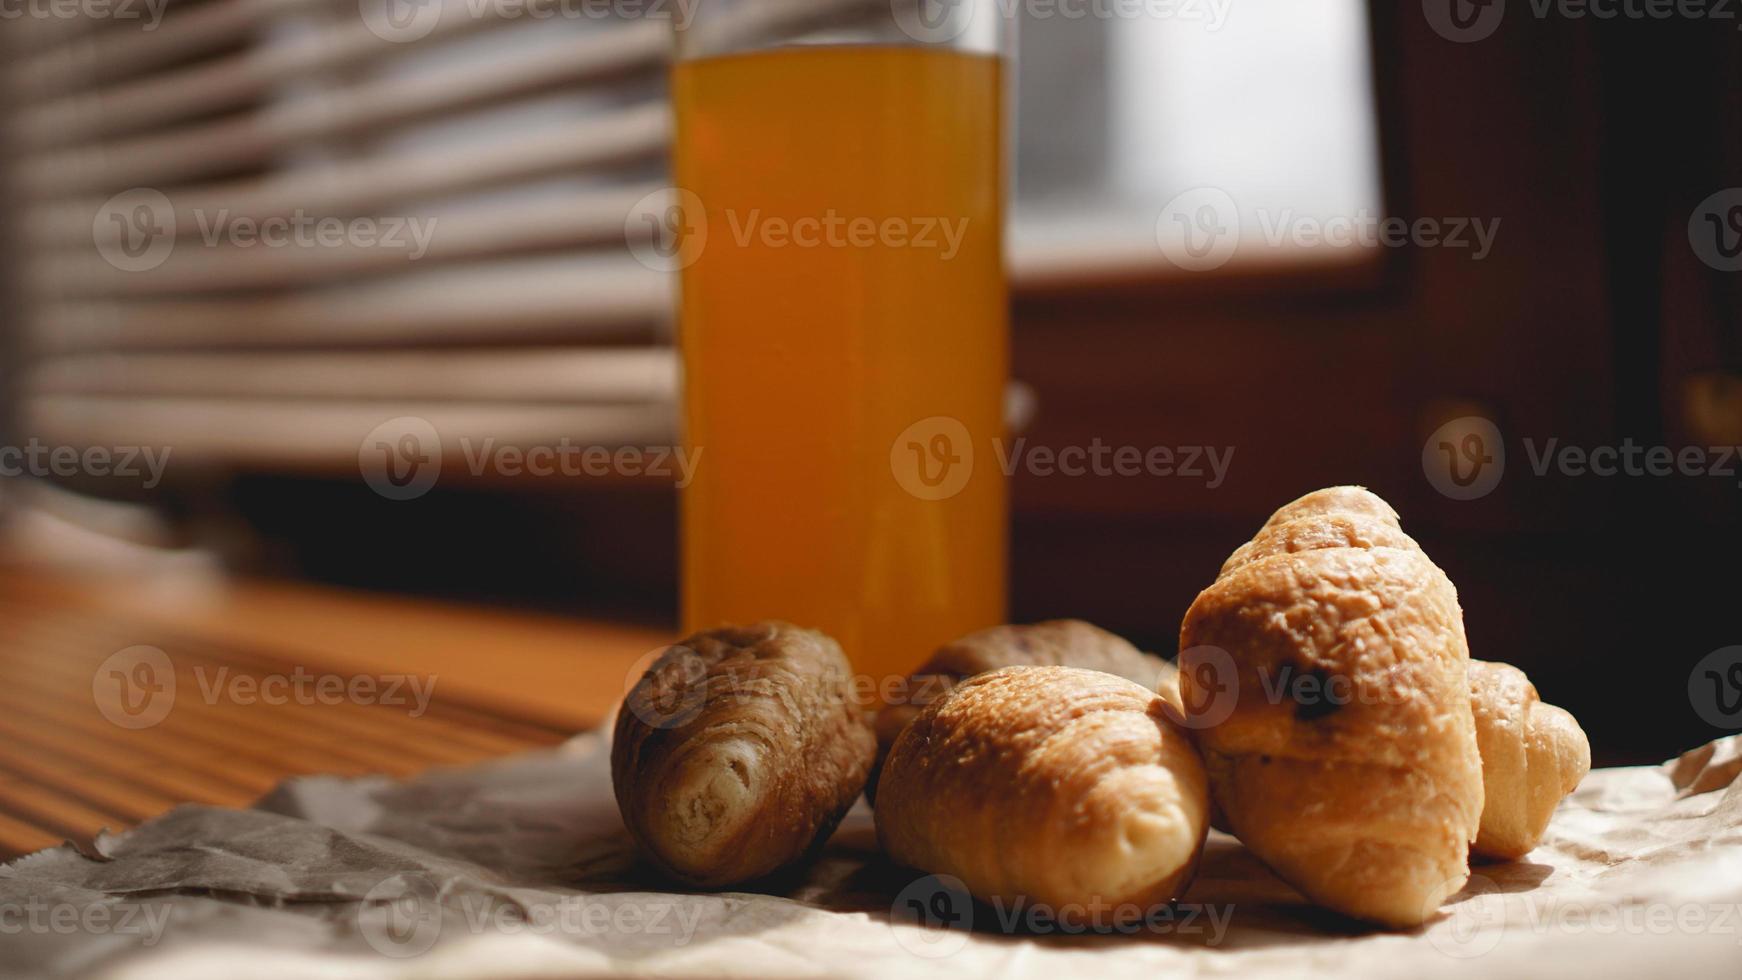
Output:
x,y
82,684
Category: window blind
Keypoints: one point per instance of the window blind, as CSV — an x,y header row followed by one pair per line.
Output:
x,y
256,229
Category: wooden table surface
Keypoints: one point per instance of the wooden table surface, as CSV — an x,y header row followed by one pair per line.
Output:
x,y
269,681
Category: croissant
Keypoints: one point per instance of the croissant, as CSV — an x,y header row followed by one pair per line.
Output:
x,y
1059,642
1055,785
1342,749
739,751
1533,755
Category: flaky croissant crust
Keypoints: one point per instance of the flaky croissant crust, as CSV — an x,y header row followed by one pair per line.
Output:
x,y
1053,784
1365,794
1053,643
739,751
1533,755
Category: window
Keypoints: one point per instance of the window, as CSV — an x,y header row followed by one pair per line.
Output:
x,y
1269,101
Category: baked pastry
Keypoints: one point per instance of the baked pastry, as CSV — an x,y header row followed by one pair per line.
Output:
x,y
1347,758
738,751
1057,643
1056,785
1533,755
1302,526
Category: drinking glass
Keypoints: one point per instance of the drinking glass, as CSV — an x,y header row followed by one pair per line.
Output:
x,y
840,168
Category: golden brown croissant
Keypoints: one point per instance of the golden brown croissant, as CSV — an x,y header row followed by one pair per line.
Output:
x,y
1341,746
1055,643
738,751
1055,785
1533,755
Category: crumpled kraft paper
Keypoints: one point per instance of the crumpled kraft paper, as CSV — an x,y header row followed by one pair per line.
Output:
x,y
522,868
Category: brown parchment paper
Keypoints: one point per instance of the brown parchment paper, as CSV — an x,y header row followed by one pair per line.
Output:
x,y
521,868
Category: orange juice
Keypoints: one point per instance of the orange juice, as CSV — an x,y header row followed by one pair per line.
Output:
x,y
843,329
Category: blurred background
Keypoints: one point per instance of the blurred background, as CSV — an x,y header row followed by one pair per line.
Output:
x,y
241,236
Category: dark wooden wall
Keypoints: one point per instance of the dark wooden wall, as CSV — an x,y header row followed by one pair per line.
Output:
x,y
1592,143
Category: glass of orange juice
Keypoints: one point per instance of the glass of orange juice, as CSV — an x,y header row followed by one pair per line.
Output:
x,y
840,172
